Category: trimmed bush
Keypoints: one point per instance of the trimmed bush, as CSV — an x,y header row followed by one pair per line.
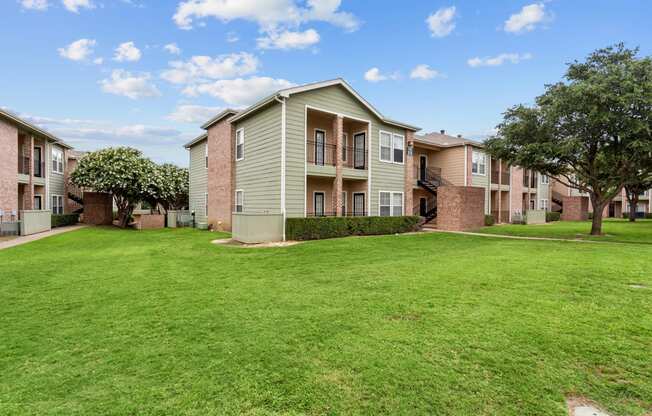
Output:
x,y
590,215
317,228
64,219
648,215
553,216
489,220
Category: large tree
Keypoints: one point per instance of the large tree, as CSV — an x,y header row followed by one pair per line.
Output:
x,y
581,131
169,187
122,172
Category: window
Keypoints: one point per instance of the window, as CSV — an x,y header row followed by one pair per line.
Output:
x,y
57,204
385,147
544,205
391,204
206,204
320,147
479,163
239,201
57,161
545,180
345,142
358,204
239,144
206,154
392,147
38,202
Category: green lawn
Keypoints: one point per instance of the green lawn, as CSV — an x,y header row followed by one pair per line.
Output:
x,y
104,321
613,230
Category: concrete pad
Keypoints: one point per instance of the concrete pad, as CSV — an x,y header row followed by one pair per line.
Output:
x,y
581,406
588,411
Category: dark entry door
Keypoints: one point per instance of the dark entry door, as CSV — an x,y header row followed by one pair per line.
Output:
x,y
423,161
319,204
358,204
320,141
423,207
359,151
38,157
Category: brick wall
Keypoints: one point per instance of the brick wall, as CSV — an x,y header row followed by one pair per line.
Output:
x,y
8,167
576,208
460,208
150,221
221,175
98,208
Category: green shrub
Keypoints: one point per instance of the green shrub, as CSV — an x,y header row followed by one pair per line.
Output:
x,y
316,228
553,216
64,219
489,220
648,215
590,215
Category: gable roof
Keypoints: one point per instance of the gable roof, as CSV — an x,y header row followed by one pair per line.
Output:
x,y
287,92
223,114
196,140
25,125
445,140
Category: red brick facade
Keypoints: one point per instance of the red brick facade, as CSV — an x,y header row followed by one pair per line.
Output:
x,y
460,208
8,168
576,208
221,175
98,208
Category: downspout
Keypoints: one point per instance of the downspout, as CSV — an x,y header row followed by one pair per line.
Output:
x,y
283,145
466,165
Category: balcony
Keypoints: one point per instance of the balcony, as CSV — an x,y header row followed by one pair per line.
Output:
x,y
23,165
321,154
535,179
504,177
495,176
354,157
526,181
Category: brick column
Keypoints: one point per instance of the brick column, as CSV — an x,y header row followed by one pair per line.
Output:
x,y
409,172
338,129
221,175
28,195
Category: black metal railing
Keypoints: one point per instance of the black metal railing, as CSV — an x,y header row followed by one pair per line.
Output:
x,y
39,169
23,165
526,181
354,157
321,154
334,214
533,184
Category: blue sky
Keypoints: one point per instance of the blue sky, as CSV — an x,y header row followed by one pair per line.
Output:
x,y
98,73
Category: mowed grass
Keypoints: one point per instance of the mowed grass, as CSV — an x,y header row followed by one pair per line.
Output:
x,y
104,321
614,230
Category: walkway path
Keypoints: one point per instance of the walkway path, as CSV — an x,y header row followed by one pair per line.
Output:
x,y
29,238
517,237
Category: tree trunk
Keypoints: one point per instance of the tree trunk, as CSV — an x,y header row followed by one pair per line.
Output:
x,y
598,209
633,203
124,214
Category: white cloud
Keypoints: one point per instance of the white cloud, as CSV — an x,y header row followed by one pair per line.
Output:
x,y
424,71
527,19
127,52
172,48
40,5
239,91
79,50
128,85
374,75
232,37
269,15
441,22
75,5
289,40
193,113
498,60
98,61
203,68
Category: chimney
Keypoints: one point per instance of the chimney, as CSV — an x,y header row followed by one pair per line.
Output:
x,y
442,131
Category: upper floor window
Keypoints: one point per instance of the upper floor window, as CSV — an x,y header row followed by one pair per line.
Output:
x,y
239,144
479,163
239,201
545,180
206,154
390,204
392,147
57,160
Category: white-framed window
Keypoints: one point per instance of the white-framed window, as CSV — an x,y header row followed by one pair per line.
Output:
x,y
239,200
57,160
543,204
206,203
206,154
545,180
479,163
392,147
390,204
239,144
57,204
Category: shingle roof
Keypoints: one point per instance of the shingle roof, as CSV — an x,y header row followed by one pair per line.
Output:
x,y
445,140
31,127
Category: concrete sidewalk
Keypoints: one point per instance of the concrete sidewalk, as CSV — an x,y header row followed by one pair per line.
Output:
x,y
29,238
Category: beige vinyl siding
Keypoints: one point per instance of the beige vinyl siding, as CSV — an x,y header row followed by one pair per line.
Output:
x,y
198,181
56,181
335,99
483,181
259,173
451,162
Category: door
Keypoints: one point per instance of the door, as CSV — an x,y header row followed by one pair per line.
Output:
x,y
38,157
38,202
358,204
423,164
319,204
344,205
359,150
320,142
612,210
423,207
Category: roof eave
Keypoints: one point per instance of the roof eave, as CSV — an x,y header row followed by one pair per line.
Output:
x,y
196,140
223,114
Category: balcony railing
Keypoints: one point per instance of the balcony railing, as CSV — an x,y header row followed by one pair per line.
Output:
x,y
533,184
321,154
39,169
23,165
354,157
504,176
333,214
526,181
494,176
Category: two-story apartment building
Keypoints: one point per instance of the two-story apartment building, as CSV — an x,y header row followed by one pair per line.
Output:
x,y
618,206
33,168
322,150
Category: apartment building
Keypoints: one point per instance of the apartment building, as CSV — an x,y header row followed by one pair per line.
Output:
x,y
618,206
322,150
33,169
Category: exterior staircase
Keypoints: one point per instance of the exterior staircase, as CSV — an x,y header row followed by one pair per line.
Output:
x,y
430,180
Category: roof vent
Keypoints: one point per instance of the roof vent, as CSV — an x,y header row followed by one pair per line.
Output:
x,y
459,136
442,131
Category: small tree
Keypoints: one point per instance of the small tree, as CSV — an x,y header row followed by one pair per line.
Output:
x,y
120,171
581,131
169,187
